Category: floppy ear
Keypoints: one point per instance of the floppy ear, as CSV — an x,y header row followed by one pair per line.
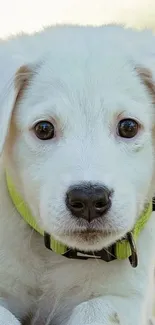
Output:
x,y
9,99
147,79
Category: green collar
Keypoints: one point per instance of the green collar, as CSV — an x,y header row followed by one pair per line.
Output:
x,y
122,249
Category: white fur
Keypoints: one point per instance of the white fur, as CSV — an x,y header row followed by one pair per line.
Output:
x,y
84,80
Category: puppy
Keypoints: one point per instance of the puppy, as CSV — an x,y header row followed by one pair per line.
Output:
x,y
77,231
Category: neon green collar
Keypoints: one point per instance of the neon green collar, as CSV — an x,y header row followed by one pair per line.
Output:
x,y
122,248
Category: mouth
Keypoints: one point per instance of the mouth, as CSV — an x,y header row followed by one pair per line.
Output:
x,y
96,230
89,239
90,234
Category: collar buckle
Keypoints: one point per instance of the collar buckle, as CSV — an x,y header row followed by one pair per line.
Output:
x,y
106,255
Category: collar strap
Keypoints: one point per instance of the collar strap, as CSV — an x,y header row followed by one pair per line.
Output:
x,y
121,250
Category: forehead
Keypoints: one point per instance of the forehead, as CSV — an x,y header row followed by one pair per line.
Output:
x,y
88,70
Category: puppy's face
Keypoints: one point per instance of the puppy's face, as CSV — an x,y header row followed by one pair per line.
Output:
x,y
80,146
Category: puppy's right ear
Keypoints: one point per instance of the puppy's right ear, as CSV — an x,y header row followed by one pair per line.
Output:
x,y
9,99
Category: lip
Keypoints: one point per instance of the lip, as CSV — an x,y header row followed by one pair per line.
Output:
x,y
89,239
90,233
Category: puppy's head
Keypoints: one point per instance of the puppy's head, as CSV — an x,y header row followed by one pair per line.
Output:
x,y
77,137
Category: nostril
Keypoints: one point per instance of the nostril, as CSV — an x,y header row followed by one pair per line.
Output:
x,y
100,207
100,204
77,205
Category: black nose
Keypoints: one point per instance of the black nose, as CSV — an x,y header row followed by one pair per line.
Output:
x,y
88,201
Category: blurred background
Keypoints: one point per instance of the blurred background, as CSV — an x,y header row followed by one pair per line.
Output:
x,y
32,15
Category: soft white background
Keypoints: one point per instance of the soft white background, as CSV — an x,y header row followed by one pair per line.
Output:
x,y
31,15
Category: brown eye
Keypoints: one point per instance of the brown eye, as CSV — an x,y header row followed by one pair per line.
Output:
x,y
127,128
44,130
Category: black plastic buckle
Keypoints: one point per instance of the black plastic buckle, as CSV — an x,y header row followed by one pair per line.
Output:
x,y
106,255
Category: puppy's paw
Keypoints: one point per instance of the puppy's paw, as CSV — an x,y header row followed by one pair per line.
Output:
x,y
7,318
106,311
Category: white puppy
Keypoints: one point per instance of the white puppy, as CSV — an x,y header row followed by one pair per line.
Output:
x,y
77,117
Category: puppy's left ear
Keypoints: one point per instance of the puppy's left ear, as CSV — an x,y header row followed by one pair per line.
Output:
x,y
9,99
